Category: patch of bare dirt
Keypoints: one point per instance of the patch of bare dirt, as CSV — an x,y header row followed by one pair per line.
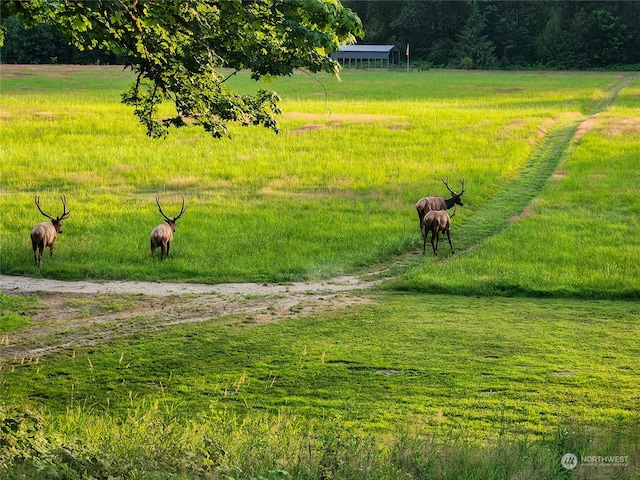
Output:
x,y
307,128
624,126
399,126
526,213
586,126
47,115
559,174
509,90
71,315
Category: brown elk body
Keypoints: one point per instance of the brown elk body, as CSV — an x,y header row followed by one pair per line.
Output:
x,y
428,204
162,235
44,234
435,221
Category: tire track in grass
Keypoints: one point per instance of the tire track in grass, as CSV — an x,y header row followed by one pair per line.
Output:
x,y
528,184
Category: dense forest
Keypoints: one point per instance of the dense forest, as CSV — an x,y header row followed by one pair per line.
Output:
x,y
45,44
479,34
473,34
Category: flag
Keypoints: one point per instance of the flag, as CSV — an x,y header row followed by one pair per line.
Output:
x,y
407,49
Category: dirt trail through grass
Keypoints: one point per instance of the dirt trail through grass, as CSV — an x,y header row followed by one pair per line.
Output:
x,y
75,314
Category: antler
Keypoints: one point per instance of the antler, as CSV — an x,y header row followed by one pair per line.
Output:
x,y
38,205
163,214
181,210
455,209
160,208
446,184
65,213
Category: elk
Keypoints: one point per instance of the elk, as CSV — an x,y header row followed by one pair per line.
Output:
x,y
436,221
162,235
428,204
44,234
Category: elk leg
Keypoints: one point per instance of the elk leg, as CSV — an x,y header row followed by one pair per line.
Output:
x,y
168,248
450,244
164,249
433,245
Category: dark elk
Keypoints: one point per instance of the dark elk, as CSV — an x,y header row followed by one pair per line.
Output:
x,y
428,204
44,234
436,221
162,235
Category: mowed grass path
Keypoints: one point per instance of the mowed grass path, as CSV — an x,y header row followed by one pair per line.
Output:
x,y
567,225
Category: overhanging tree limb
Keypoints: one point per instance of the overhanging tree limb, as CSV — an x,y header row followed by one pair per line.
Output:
x,y
178,49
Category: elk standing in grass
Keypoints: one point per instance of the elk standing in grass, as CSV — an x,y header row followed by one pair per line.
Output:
x,y
44,234
162,235
436,221
428,204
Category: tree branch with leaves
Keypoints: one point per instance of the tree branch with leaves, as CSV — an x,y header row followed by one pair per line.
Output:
x,y
179,49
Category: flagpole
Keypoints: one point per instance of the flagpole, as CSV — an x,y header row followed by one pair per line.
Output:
x,y
407,57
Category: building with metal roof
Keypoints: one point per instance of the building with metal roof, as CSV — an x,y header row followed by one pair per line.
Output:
x,y
367,56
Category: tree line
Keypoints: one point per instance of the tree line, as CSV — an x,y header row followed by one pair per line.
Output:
x,y
44,44
478,34
473,34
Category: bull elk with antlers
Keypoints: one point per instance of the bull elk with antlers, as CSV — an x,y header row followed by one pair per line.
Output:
x,y
162,235
44,234
436,221
428,204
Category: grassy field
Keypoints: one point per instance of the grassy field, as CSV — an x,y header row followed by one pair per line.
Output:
x,y
335,191
577,237
455,368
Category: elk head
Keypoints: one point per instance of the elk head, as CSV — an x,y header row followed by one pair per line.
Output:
x,y
44,234
162,235
455,197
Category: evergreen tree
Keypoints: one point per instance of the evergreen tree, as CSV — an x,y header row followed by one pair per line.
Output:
x,y
474,49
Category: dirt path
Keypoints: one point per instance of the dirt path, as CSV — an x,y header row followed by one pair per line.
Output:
x,y
27,285
71,315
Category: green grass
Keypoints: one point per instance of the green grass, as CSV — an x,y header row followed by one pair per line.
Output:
x,y
155,443
323,192
436,384
14,313
459,368
577,238
456,362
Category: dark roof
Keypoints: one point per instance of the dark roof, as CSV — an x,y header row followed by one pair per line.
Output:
x,y
365,52
366,48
